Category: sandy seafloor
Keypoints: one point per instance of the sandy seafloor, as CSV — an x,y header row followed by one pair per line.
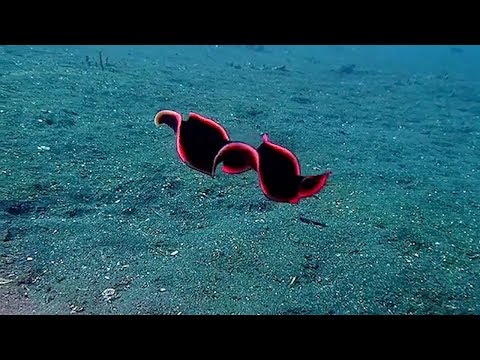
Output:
x,y
94,197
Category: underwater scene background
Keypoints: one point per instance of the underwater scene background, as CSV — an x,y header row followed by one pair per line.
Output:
x,y
99,216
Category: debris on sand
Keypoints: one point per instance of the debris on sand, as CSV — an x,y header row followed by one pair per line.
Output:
x,y
4,281
280,68
108,294
346,69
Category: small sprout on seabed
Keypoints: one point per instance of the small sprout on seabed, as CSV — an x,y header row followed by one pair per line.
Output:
x,y
88,61
108,294
292,281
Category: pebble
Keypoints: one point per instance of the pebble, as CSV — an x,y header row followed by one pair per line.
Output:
x,y
173,253
108,294
29,258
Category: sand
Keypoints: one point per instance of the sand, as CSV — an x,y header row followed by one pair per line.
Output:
x,y
94,197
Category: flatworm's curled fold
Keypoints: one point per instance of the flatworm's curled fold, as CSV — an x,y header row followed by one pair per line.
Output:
x,y
237,157
203,144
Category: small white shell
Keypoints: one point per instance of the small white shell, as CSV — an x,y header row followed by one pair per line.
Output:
x,y
108,294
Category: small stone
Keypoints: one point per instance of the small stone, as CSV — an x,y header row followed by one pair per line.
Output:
x,y
173,253
29,258
163,289
108,294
